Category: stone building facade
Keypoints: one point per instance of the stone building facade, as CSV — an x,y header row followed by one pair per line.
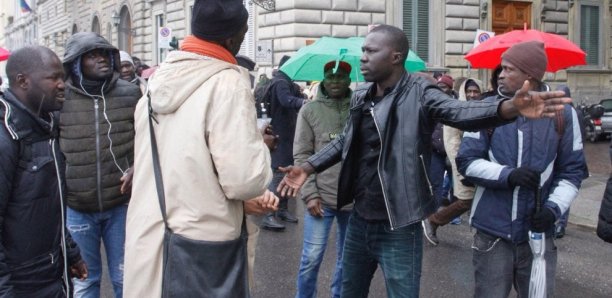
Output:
x,y
440,32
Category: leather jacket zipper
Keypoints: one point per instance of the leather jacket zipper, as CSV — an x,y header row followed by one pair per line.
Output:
x,y
426,175
382,185
98,154
63,227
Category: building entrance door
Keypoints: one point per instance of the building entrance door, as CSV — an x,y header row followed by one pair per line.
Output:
x,y
510,15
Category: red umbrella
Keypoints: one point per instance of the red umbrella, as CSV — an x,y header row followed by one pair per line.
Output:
x,y
4,54
561,52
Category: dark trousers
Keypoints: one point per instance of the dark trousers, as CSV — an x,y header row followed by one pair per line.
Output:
x,y
436,177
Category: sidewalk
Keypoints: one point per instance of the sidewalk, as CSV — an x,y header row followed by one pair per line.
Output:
x,y
585,208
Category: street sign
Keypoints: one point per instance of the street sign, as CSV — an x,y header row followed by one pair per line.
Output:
x,y
482,36
263,52
164,36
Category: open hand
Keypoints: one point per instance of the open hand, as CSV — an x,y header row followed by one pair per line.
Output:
x,y
533,104
295,176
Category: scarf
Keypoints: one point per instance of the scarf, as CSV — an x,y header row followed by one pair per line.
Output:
x,y
198,46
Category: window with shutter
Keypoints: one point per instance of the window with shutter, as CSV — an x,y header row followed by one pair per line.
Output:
x,y
589,33
416,26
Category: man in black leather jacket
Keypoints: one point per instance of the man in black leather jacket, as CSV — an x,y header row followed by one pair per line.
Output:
x,y
385,153
37,254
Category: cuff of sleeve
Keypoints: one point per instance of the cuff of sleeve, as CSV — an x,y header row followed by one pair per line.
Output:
x,y
309,197
499,116
554,208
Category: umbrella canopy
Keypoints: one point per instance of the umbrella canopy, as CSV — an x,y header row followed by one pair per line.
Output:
x,y
307,64
561,52
4,54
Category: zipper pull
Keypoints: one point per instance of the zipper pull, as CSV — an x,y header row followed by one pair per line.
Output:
x,y
96,103
52,260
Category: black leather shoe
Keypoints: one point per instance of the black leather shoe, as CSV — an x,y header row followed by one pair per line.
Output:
x,y
559,232
284,215
270,223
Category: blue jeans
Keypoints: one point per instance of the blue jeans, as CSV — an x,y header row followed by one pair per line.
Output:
x,y
316,233
500,264
399,253
87,229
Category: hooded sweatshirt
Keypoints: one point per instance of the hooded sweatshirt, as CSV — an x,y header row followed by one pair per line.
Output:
x,y
94,164
318,123
452,141
212,158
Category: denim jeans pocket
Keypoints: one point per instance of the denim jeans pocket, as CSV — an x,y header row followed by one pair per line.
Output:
x,y
484,243
409,229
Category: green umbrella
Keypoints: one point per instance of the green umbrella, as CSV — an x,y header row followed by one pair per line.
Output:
x,y
307,64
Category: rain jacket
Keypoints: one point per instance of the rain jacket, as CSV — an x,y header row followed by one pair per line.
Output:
x,y
487,159
405,119
92,172
212,158
452,141
318,123
32,227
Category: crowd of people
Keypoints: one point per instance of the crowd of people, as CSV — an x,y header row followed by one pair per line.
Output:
x,y
164,172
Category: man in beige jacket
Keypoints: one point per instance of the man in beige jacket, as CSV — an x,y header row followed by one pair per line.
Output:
x,y
470,89
211,153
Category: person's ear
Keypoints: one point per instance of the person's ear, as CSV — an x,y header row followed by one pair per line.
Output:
x,y
397,57
22,81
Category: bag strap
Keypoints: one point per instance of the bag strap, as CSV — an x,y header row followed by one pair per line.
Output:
x,y
159,182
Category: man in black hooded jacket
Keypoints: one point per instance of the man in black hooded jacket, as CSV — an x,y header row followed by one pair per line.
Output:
x,y
97,138
36,252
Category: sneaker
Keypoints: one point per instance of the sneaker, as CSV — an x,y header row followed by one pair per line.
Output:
x,y
429,230
270,223
284,215
456,221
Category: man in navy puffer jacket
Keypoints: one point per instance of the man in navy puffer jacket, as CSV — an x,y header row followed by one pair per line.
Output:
x,y
508,166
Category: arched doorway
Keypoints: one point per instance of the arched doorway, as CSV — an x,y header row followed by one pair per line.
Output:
x,y
95,25
125,30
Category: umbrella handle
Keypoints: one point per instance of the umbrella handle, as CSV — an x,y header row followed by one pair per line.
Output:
x,y
538,199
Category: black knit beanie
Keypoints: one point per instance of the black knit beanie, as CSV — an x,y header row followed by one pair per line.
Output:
x,y
218,19
529,57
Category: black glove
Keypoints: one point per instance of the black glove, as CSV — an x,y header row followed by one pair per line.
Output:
x,y
543,220
524,177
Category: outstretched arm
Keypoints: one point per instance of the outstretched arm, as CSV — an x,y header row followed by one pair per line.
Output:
x,y
532,104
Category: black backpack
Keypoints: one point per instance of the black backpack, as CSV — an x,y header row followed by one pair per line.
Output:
x,y
263,97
